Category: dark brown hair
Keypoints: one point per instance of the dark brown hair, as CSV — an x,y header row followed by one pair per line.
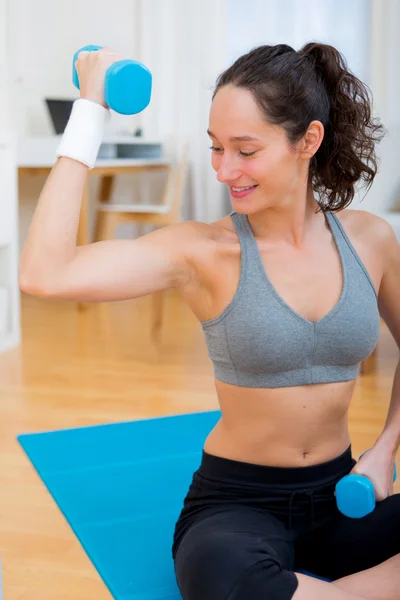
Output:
x,y
294,88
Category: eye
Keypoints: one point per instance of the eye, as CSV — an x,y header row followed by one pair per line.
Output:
x,y
246,154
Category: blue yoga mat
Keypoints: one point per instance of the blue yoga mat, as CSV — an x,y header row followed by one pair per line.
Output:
x,y
121,488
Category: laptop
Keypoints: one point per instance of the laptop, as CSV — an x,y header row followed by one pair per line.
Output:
x,y
60,111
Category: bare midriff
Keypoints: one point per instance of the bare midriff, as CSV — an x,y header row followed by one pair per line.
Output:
x,y
284,427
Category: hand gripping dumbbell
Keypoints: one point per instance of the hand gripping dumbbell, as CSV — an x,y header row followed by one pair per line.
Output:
x,y
355,495
127,84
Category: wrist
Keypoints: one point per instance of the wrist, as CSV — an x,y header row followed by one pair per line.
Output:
x,y
84,132
92,98
389,441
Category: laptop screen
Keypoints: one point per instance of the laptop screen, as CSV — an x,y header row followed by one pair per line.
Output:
x,y
60,111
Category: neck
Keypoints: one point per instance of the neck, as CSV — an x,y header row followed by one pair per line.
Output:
x,y
289,223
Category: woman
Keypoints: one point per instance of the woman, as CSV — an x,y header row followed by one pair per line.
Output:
x,y
286,290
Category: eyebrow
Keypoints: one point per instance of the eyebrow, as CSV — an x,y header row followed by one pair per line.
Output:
x,y
238,138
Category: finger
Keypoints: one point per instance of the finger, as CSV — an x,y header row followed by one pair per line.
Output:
x,y
107,49
110,52
83,54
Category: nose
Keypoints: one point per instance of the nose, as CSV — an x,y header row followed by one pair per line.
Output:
x,y
227,170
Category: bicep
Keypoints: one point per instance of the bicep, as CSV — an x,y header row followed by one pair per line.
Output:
x,y
125,269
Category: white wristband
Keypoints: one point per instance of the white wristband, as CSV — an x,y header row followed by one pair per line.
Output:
x,y
84,132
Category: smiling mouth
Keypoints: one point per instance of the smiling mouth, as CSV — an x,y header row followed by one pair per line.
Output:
x,y
243,192
242,189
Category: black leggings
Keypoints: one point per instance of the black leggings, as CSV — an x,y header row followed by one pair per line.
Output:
x,y
244,529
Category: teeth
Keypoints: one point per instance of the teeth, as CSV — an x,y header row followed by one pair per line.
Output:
x,y
242,188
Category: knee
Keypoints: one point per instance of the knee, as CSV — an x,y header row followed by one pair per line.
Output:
x,y
223,567
265,580
205,567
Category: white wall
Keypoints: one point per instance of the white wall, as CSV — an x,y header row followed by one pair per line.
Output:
x,y
10,309
385,84
44,35
359,29
295,22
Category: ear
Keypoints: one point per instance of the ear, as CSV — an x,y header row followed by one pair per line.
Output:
x,y
312,139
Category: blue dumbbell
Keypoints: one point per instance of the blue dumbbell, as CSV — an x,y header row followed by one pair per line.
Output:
x,y
355,495
127,84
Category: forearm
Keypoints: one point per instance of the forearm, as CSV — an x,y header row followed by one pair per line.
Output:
x,y
390,436
51,241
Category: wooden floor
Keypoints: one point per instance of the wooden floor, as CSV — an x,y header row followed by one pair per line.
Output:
x,y
100,365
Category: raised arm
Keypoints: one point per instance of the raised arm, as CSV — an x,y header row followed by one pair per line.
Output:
x,y
51,264
102,271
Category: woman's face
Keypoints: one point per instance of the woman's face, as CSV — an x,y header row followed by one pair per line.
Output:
x,y
272,165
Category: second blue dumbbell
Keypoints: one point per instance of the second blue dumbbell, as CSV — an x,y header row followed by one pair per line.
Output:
x,y
355,495
127,84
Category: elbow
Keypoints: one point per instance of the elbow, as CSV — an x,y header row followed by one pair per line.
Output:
x,y
32,285
29,287
25,282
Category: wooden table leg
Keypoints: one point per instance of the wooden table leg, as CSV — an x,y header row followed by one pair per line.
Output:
x,y
101,218
106,188
83,233
83,228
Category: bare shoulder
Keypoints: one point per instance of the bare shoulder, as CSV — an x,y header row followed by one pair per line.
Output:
x,y
386,241
366,224
373,236
210,236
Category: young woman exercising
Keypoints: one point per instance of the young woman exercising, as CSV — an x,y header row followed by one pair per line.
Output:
x,y
289,290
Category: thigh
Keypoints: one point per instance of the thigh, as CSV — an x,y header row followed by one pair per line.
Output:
x,y
345,546
236,553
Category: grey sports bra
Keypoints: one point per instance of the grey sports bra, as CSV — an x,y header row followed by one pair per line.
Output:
x,y
260,341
